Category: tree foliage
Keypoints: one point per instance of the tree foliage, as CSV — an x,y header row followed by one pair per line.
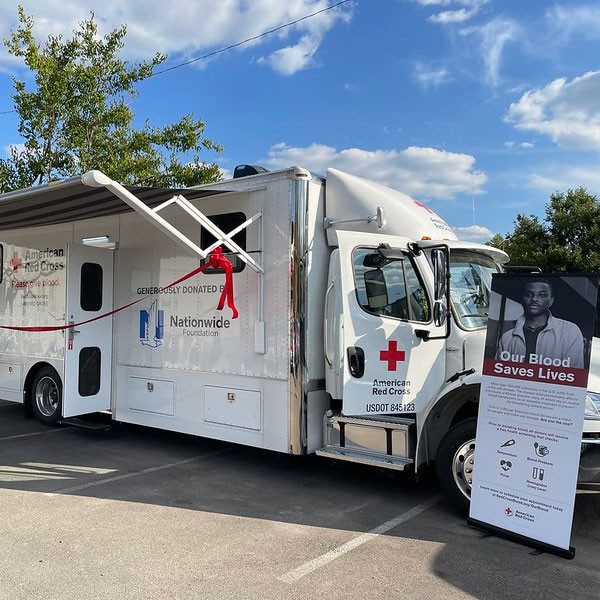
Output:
x,y
76,116
566,240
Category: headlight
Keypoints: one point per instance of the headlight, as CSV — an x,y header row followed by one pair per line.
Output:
x,y
592,405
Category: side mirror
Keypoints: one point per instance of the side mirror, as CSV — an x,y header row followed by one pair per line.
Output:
x,y
376,288
439,259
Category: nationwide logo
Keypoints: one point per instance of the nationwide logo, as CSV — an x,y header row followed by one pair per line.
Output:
x,y
152,326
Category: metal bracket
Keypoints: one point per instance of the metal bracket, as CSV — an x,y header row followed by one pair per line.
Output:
x,y
378,218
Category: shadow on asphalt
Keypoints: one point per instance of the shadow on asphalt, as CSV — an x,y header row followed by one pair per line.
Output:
x,y
231,479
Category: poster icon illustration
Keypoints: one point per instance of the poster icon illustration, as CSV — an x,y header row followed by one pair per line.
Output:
x,y
541,450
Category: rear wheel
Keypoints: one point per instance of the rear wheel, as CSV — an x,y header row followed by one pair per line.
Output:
x,y
46,396
455,462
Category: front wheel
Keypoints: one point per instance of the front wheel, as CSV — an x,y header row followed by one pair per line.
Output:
x,y
46,396
454,463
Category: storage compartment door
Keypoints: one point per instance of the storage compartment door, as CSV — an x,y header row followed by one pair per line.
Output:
x,y
88,360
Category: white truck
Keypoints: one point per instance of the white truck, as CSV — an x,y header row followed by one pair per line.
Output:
x,y
361,325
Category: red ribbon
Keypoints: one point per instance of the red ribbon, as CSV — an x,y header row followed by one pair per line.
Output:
x,y
216,260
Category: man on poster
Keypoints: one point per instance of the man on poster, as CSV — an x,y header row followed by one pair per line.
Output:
x,y
538,334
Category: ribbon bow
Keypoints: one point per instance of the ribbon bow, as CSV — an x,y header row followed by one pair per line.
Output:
x,y
216,260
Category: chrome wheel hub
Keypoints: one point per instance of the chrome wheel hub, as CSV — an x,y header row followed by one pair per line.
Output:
x,y
462,467
47,396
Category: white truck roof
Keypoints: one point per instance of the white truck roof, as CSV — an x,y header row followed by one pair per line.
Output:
x,y
351,197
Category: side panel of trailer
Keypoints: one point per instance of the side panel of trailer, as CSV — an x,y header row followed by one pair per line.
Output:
x,y
182,365
32,293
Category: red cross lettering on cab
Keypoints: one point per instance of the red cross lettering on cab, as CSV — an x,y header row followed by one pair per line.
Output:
x,y
392,355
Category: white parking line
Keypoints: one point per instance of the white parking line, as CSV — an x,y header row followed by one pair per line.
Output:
x,y
22,435
84,486
321,561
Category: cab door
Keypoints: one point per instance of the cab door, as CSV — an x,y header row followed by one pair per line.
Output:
x,y
88,360
387,308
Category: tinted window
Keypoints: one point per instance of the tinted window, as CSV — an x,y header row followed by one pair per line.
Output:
x,y
226,223
89,371
91,287
389,288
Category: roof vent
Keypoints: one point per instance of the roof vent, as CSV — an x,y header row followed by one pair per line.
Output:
x,y
246,170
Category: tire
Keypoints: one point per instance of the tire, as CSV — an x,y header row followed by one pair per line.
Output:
x,y
454,464
46,396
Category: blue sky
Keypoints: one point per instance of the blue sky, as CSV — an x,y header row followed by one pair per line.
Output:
x,y
460,103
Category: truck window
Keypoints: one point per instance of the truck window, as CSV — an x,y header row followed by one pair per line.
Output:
x,y
226,223
389,289
90,297
89,371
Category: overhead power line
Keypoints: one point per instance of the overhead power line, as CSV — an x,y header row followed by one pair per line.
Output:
x,y
230,47
250,39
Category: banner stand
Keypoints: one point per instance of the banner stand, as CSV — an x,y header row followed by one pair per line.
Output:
x,y
522,539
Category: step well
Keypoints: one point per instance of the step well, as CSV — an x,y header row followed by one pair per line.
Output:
x,y
387,440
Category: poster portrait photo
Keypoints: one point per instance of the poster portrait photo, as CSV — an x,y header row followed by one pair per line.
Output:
x,y
542,319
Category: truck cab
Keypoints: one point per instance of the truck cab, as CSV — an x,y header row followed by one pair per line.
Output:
x,y
405,330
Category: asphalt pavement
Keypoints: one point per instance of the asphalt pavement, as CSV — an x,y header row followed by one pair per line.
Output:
x,y
141,513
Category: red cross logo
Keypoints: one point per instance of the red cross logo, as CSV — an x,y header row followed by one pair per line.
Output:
x,y
392,355
508,511
423,206
15,261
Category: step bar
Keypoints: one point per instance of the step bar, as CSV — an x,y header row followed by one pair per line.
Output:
x,y
366,458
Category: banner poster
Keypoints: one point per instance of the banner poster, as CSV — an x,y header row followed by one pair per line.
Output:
x,y
532,406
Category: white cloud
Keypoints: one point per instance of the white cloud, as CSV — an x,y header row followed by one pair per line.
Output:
x,y
16,148
469,8
427,173
430,76
567,112
567,21
562,178
493,39
525,145
474,233
186,29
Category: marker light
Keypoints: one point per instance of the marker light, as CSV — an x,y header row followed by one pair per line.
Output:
x,y
99,241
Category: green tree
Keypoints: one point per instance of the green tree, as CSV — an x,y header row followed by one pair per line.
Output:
x,y
76,116
566,240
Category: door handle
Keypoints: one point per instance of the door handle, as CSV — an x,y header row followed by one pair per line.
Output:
x,y
72,331
356,361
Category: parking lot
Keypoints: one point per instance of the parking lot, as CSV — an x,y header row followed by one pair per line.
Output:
x,y
140,513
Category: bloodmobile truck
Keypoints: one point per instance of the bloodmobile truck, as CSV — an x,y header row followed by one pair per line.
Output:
x,y
360,333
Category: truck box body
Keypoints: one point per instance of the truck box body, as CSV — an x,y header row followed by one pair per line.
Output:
x,y
177,363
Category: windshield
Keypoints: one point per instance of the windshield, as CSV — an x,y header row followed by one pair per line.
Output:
x,y
470,284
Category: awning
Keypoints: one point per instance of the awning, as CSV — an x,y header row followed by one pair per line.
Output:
x,y
73,200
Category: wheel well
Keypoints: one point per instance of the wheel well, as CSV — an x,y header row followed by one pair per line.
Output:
x,y
27,397
454,408
467,411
